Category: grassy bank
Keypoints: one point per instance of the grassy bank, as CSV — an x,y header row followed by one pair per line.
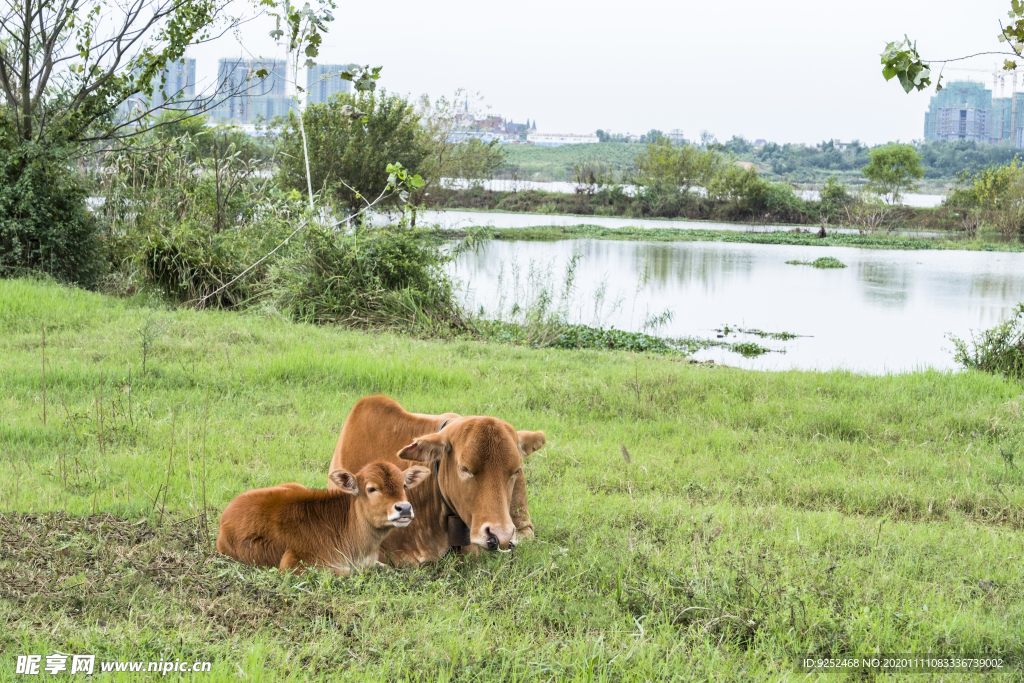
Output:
x,y
804,238
759,516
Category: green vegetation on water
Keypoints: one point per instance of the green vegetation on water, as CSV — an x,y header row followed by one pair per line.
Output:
x,y
800,238
726,330
823,262
760,516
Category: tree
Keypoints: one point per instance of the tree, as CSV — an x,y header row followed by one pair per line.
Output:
x,y
892,170
998,191
67,65
901,60
679,167
447,156
352,138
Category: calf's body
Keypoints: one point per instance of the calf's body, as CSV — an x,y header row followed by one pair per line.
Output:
x,y
292,527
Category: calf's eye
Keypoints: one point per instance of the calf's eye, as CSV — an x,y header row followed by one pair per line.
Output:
x,y
370,489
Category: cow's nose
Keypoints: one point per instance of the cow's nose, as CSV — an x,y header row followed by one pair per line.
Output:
x,y
404,509
499,537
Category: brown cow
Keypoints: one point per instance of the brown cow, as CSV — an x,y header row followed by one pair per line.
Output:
x,y
291,527
479,464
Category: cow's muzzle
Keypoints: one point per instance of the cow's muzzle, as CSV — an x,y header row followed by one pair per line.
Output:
x,y
498,538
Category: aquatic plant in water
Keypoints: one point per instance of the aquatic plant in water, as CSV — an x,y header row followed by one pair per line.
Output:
x,y
823,262
726,330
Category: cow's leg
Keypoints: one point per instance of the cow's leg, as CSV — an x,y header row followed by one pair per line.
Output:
x,y
519,512
295,562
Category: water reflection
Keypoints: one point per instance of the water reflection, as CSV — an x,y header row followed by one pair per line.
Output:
x,y
888,311
885,283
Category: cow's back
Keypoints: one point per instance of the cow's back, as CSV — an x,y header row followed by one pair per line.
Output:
x,y
376,429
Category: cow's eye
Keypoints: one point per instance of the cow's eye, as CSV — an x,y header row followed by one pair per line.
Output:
x,y
465,470
370,489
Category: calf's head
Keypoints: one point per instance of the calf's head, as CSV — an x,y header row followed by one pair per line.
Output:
x,y
479,460
380,492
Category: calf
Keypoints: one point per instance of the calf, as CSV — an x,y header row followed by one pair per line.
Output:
x,y
291,527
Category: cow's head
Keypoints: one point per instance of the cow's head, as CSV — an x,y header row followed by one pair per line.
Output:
x,y
479,459
380,489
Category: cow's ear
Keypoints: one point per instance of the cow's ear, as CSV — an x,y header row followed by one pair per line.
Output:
x,y
426,448
346,481
530,442
414,475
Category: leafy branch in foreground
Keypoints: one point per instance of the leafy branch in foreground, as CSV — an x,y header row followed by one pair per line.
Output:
x,y
901,59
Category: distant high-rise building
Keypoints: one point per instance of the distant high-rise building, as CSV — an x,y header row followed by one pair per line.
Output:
x,y
965,110
324,80
179,82
176,84
247,98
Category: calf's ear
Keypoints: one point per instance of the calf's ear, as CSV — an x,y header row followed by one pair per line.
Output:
x,y
530,442
346,481
426,448
414,475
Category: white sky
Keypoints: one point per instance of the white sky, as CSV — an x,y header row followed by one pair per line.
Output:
x,y
786,71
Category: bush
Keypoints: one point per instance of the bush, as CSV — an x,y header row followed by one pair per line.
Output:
x,y
190,265
377,277
777,199
45,224
999,350
996,193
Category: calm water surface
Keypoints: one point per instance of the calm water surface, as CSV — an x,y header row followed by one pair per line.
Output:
x,y
888,311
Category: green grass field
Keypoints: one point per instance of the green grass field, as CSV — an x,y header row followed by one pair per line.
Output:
x,y
762,516
555,163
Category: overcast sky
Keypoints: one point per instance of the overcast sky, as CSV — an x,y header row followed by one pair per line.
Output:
x,y
796,71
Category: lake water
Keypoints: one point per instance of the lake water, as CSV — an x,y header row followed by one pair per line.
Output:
x,y
888,311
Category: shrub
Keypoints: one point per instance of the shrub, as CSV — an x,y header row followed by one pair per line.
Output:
x,y
777,199
378,277
45,224
999,350
998,194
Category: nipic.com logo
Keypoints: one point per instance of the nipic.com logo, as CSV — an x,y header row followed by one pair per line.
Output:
x,y
58,662
55,664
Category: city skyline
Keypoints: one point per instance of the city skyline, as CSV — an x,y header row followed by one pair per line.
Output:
x,y
691,66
